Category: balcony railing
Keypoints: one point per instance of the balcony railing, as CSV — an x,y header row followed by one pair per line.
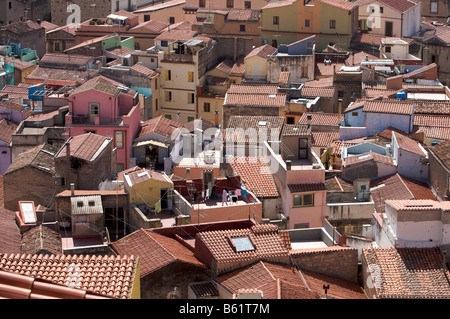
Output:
x,y
180,58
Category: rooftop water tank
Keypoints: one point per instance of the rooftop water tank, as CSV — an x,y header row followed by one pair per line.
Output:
x,y
401,95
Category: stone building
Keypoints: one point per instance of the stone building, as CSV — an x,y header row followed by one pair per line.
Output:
x,y
92,160
37,168
28,34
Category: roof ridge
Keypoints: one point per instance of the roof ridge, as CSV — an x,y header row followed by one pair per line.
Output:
x,y
158,243
404,184
267,269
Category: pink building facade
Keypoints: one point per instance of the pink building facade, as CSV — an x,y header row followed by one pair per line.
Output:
x,y
103,107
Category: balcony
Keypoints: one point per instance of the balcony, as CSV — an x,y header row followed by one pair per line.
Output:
x,y
178,58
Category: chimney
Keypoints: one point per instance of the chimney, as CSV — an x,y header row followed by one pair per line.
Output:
x,y
178,117
216,118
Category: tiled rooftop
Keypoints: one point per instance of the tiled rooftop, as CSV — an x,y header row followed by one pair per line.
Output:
x,y
265,239
155,251
407,144
87,146
256,99
108,275
261,124
262,51
408,272
40,157
15,286
388,107
255,175
10,237
321,118
337,184
302,188
7,128
327,92
41,239
369,156
323,139
159,125
397,187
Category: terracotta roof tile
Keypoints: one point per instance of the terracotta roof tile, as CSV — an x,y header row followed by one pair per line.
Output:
x,y
142,69
267,244
284,77
295,130
408,272
433,132
399,5
159,125
204,289
341,4
323,139
261,100
7,128
253,89
255,175
318,91
10,237
243,15
155,251
106,275
22,27
407,144
240,128
41,239
399,188
40,157
375,106
143,174
337,184
321,118
302,188
442,151
262,51
86,146
369,156
64,59
16,286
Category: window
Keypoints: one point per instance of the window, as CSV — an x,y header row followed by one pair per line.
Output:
x,y
381,10
371,9
118,139
290,120
387,49
332,24
168,96
57,48
354,113
242,28
119,167
190,118
307,23
156,104
10,5
117,5
242,244
63,181
433,7
191,98
304,71
247,4
276,20
168,116
168,75
201,3
302,148
340,94
164,44
230,3
156,83
190,76
303,200
146,17
171,20
206,107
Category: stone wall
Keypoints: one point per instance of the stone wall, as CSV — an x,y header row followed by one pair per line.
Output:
x,y
336,261
173,278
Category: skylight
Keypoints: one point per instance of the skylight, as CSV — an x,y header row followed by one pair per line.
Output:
x,y
28,213
242,244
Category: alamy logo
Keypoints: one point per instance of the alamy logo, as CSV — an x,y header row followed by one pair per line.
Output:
x,y
374,19
75,17
73,279
374,278
232,143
